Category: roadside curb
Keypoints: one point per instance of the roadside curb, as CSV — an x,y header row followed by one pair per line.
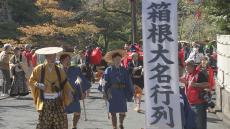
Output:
x,y
1,98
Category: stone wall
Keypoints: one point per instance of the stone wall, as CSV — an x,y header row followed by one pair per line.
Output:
x,y
223,76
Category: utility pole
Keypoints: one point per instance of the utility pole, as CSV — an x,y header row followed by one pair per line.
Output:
x,y
134,20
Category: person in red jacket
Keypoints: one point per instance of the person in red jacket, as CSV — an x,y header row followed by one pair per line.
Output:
x,y
34,58
27,61
195,84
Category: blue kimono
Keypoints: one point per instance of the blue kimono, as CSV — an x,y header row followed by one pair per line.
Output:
x,y
187,115
72,73
119,96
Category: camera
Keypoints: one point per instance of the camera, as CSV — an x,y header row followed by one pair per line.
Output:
x,y
208,98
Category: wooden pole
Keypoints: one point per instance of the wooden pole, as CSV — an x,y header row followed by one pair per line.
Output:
x,y
133,20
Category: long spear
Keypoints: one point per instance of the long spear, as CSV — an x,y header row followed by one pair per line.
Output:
x,y
78,81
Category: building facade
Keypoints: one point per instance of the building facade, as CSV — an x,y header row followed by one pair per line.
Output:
x,y
223,76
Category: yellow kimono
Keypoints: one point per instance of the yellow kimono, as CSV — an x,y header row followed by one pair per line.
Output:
x,y
50,77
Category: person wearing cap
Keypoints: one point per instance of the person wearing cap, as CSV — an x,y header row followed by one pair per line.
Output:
x,y
51,91
118,87
73,74
5,69
136,71
195,84
196,54
19,85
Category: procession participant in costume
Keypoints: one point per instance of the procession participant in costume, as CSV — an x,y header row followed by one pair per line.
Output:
x,y
34,58
82,57
19,85
196,54
4,67
187,114
88,74
136,71
195,84
51,91
27,61
118,87
99,74
76,57
73,73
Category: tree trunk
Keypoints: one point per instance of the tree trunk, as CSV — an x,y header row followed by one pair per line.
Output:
x,y
106,41
134,21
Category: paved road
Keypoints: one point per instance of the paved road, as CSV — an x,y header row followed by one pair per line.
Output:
x,y
20,114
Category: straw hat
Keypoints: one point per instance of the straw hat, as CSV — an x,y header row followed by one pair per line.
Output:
x,y
49,50
108,55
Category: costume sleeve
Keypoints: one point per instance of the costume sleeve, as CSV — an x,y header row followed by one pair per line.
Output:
x,y
28,56
5,58
189,114
85,83
11,60
107,78
130,67
34,78
67,92
11,64
129,86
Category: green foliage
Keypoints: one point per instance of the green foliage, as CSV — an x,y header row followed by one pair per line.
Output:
x,y
104,22
71,4
219,13
215,19
114,17
25,12
9,30
47,23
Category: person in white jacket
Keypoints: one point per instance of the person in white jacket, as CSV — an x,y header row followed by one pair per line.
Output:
x,y
195,55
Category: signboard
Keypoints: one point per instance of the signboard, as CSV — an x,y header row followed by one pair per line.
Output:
x,y
159,20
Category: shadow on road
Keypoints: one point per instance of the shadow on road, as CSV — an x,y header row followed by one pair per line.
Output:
x,y
213,120
1,122
94,97
18,107
95,120
25,98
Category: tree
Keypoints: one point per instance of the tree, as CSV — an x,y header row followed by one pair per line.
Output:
x,y
219,14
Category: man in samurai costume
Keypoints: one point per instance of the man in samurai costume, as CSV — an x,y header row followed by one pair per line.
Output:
x,y
118,87
79,83
51,91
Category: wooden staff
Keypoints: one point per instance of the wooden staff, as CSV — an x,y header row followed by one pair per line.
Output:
x,y
78,81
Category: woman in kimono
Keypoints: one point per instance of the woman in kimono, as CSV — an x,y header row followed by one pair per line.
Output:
x,y
74,74
118,87
136,71
19,86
